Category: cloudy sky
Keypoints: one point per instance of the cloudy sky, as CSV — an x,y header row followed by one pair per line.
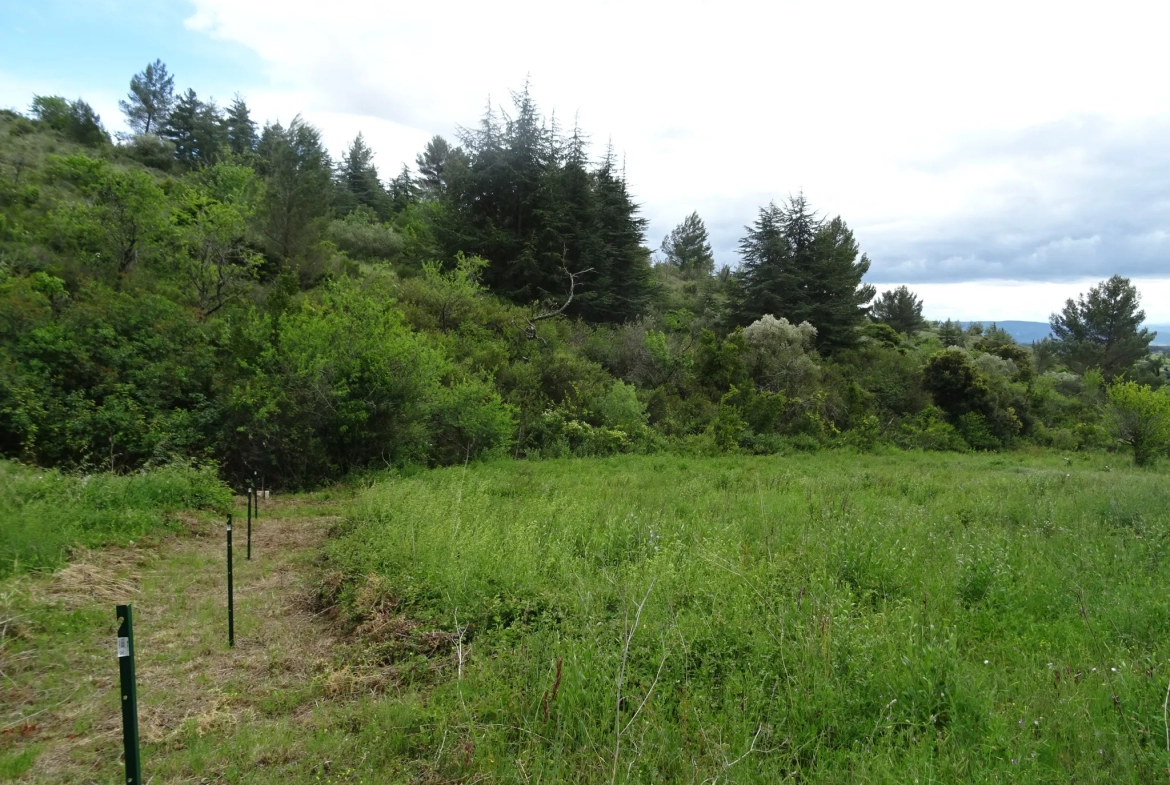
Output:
x,y
998,157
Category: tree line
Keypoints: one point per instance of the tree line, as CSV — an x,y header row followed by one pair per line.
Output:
x,y
206,288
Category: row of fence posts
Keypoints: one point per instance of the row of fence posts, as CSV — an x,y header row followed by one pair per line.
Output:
x,y
125,646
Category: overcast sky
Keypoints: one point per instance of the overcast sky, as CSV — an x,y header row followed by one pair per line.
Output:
x,y
998,157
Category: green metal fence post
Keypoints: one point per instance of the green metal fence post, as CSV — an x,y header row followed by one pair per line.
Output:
x,y
129,692
251,494
231,609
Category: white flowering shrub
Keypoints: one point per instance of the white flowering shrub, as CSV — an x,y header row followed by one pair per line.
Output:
x,y
781,355
994,367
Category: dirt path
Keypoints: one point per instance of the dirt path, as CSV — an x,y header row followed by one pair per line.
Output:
x,y
60,700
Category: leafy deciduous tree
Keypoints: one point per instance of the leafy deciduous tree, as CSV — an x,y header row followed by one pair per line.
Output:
x,y
75,119
1140,418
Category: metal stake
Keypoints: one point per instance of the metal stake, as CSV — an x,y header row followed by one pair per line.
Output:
x,y
129,693
231,609
251,493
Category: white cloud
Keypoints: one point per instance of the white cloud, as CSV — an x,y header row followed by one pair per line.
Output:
x,y
1006,139
1003,300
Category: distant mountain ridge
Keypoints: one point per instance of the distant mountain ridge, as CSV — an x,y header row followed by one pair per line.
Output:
x,y
1027,332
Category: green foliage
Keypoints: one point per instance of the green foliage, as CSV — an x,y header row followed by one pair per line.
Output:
x,y
150,99
432,166
239,129
1140,418
361,236
211,213
1102,329
337,383
950,333
781,355
526,199
43,513
900,309
805,269
180,300
101,378
688,249
120,220
961,390
76,120
196,130
296,169
359,185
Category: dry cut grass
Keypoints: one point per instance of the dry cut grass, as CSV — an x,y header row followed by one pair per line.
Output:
x,y
59,720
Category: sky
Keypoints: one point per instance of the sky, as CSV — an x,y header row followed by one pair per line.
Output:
x,y
997,157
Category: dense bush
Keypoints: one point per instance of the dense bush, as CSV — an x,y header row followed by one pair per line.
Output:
x,y
1140,418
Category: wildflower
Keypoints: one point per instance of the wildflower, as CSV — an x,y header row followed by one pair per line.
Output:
x,y
987,662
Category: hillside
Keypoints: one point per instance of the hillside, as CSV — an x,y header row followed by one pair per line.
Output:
x,y
223,293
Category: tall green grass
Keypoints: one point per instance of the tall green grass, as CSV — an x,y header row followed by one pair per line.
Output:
x,y
829,618
44,512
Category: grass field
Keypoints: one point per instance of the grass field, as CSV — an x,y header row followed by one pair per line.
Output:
x,y
831,617
827,618
44,513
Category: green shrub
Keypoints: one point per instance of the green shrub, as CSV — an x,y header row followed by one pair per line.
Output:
x,y
362,237
1139,417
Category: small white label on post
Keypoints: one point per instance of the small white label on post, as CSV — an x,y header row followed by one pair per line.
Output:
x,y
123,647
229,527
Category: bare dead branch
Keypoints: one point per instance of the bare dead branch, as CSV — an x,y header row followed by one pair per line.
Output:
x,y
530,330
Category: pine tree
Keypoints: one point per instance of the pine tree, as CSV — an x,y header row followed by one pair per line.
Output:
x,y
803,268
298,175
239,128
150,99
358,178
1102,329
196,129
688,249
403,191
623,287
900,308
432,165
528,200
950,333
